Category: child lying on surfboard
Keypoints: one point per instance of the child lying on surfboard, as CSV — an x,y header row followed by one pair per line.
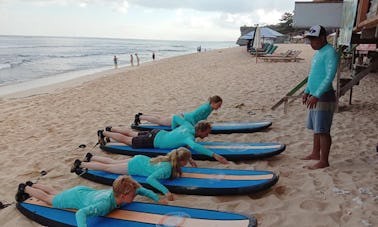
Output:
x,y
89,202
155,169
184,135
199,114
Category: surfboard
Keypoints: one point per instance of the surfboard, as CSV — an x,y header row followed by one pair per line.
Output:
x,y
136,214
216,127
200,181
231,151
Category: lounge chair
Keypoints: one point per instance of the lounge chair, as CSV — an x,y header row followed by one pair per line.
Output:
x,y
267,49
292,57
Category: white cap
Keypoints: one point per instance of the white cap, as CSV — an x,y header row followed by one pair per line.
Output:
x,y
315,31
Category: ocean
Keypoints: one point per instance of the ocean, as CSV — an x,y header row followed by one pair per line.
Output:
x,y
34,60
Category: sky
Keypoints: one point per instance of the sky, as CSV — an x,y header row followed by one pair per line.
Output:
x,y
201,20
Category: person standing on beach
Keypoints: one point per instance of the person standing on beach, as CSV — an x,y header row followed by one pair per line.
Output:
x,y
153,56
115,59
131,60
137,58
319,95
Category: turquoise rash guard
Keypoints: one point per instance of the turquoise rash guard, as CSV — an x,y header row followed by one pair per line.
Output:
x,y
179,137
141,165
91,202
199,114
322,72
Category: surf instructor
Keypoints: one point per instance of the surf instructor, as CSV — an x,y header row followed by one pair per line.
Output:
x,y
319,95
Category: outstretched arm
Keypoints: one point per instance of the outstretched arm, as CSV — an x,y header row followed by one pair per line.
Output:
x,y
201,149
97,209
154,182
148,193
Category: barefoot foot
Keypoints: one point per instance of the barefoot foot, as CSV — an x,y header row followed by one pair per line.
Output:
x,y
311,157
319,165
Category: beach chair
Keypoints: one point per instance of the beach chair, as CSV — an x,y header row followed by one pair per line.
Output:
x,y
267,48
292,57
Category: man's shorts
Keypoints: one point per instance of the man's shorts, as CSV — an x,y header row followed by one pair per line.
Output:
x,y
145,139
319,119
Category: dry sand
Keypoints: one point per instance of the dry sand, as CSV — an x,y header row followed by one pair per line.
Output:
x,y
43,131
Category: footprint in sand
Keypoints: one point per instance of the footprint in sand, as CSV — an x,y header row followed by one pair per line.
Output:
x,y
312,205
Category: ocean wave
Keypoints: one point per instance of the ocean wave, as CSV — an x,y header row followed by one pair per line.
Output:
x,y
5,66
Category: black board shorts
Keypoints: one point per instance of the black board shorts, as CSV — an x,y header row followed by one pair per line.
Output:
x,y
145,139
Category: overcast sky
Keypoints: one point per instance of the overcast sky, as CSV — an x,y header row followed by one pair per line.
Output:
x,y
217,20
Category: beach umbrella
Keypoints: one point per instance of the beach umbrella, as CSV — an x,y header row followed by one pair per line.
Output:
x,y
264,32
257,40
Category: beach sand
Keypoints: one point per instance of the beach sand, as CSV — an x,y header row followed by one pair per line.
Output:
x,y
43,132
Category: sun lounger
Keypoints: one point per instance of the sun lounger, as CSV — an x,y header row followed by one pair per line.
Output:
x,y
267,48
292,57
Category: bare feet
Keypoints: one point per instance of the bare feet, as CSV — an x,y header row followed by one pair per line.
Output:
x,y
319,165
311,157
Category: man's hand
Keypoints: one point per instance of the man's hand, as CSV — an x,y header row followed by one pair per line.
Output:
x,y
311,102
304,98
192,163
220,158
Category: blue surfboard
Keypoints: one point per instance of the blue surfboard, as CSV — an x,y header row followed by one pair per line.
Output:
x,y
231,151
136,214
200,181
216,127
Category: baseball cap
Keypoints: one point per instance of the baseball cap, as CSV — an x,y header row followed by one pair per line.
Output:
x,y
315,31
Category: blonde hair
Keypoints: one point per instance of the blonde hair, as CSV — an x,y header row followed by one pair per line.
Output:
x,y
202,126
124,185
215,99
174,157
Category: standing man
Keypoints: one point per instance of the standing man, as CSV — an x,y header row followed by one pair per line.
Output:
x,y
319,95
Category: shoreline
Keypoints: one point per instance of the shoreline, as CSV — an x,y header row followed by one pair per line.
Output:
x,y
58,82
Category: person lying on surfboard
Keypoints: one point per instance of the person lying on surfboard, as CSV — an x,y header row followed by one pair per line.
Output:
x,y
89,202
161,167
184,135
199,114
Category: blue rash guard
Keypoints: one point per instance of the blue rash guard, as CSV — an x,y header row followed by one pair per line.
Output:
x,y
91,202
322,72
141,165
179,137
199,114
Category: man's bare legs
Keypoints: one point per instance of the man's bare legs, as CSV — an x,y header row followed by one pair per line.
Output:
x,y
166,121
121,135
315,154
325,146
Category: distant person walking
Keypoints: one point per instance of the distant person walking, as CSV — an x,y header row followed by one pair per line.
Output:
x,y
137,58
131,60
115,59
319,95
153,56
